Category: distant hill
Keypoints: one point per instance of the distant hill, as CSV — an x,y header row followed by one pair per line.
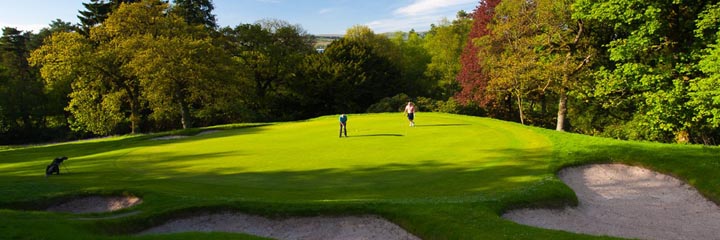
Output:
x,y
323,40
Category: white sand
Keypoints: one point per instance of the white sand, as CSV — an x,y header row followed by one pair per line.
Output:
x,y
353,227
207,132
631,202
169,137
96,204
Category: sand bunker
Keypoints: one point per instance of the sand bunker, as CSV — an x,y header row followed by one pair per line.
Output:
x,y
96,204
631,202
170,137
358,227
207,132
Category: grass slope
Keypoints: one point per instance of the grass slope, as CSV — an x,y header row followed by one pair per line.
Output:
x,y
450,177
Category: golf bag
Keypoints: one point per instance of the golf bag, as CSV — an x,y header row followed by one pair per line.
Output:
x,y
54,167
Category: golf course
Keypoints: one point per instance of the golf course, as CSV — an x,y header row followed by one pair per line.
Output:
x,y
449,177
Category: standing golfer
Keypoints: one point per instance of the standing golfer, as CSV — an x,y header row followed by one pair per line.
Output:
x,y
343,124
410,110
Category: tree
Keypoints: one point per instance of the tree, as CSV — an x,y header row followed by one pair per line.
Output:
x,y
705,90
96,11
380,43
21,94
513,63
566,46
413,63
272,51
472,79
363,75
141,60
651,63
182,74
196,12
444,43
68,60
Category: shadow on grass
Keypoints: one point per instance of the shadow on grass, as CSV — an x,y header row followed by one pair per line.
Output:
x,y
510,178
429,179
443,125
86,148
377,135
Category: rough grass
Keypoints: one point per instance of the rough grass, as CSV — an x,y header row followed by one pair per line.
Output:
x,y
450,177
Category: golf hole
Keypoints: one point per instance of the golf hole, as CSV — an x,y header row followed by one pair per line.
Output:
x,y
95,204
321,227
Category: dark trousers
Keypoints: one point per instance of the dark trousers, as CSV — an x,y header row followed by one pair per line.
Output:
x,y
343,127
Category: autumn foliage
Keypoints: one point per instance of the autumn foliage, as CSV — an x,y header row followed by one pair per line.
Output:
x,y
472,79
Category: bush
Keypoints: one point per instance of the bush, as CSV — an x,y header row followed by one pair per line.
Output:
x,y
390,104
397,104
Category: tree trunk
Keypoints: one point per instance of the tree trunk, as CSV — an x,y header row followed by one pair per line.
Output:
x,y
562,111
520,110
134,114
185,117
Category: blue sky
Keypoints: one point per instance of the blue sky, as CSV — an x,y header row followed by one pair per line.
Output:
x,y
315,16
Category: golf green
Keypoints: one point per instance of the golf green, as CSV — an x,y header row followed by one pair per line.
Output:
x,y
382,159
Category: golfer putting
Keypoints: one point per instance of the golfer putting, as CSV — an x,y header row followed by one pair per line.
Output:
x,y
343,124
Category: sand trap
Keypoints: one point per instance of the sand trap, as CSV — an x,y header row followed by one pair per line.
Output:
x,y
169,137
358,227
96,204
207,132
631,202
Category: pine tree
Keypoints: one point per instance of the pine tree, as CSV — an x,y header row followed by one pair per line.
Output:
x,y
196,12
96,12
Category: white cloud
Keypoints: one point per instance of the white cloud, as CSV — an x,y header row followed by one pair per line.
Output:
x,y
326,10
404,23
420,14
424,7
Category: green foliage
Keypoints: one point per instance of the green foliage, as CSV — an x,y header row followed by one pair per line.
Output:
x,y
271,51
363,75
97,11
390,104
705,91
413,63
22,98
651,61
444,43
196,12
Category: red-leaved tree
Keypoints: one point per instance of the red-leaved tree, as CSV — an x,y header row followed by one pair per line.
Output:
x,y
472,79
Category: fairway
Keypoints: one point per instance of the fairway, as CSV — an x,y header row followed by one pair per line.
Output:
x,y
382,159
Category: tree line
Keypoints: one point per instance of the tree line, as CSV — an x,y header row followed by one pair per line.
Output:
x,y
145,66
627,69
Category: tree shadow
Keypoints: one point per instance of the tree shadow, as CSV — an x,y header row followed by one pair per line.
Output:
x,y
39,156
443,125
376,135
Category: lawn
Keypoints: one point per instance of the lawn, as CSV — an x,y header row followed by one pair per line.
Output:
x,y
450,177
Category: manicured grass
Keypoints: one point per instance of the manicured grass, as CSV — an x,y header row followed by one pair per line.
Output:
x,y
450,177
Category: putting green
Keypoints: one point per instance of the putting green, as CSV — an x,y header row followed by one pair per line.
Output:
x,y
443,156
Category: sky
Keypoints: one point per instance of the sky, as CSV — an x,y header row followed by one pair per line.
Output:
x,y
315,16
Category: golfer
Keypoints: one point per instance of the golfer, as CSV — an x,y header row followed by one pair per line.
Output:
x,y
410,110
343,124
